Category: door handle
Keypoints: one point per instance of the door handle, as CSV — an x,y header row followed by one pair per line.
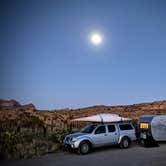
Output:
x,y
115,133
105,134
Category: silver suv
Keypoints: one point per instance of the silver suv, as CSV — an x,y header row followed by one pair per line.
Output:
x,y
97,135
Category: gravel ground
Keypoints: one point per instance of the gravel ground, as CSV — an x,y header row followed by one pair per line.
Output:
x,y
133,156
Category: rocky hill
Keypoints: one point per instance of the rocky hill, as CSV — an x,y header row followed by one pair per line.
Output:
x,y
132,111
26,132
11,109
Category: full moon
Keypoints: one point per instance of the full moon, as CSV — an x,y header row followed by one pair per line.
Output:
x,y
96,39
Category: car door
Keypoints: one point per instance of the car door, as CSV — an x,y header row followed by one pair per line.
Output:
x,y
112,135
100,136
128,130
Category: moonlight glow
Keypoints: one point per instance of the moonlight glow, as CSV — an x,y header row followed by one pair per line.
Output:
x,y
96,39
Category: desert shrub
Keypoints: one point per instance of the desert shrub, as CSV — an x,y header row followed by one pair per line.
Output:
x,y
9,141
16,146
27,136
59,135
26,120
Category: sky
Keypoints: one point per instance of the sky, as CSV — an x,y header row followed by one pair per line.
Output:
x,y
47,58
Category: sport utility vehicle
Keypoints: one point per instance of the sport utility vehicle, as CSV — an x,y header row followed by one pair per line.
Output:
x,y
97,135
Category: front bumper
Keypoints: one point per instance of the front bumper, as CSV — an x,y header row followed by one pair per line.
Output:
x,y
71,145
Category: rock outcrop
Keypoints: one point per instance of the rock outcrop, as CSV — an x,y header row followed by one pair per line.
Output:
x,y
9,104
13,105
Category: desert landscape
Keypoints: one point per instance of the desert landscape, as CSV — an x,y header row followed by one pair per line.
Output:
x,y
66,59
26,132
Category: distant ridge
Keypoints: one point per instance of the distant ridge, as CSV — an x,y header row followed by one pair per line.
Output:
x,y
132,111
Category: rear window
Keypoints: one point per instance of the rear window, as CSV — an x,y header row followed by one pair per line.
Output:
x,y
125,127
111,128
144,125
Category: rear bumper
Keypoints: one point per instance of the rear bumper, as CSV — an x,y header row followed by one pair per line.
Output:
x,y
143,136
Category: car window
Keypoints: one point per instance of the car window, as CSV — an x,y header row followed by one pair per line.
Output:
x,y
125,127
100,130
88,129
111,128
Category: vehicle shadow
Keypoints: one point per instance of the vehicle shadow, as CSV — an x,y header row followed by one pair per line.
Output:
x,y
135,144
105,148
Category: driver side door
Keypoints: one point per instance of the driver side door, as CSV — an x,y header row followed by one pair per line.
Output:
x,y
100,136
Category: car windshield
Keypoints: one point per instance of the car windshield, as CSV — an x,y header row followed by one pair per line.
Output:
x,y
88,129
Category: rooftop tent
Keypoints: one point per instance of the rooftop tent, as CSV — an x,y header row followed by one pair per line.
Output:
x,y
102,118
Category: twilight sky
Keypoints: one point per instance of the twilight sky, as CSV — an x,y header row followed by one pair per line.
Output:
x,y
46,56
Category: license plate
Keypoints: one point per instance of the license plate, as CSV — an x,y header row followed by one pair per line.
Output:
x,y
143,136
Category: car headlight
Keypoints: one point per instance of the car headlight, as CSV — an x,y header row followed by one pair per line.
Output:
x,y
74,139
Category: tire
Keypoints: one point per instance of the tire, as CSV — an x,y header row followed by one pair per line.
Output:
x,y
84,147
125,143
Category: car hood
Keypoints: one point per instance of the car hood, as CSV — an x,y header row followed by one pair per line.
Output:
x,y
78,134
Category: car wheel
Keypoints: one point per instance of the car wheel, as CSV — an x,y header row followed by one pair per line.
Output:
x,y
125,143
84,147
